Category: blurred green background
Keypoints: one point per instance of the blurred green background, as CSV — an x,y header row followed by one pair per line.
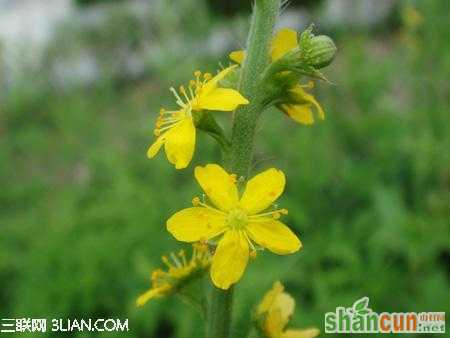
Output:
x,y
82,210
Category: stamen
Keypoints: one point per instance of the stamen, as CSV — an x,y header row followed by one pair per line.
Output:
x,y
167,120
177,97
175,260
182,254
276,214
207,76
166,262
252,247
183,91
191,91
166,127
196,202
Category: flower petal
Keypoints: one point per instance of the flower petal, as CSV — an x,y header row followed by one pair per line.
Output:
x,y
223,99
273,324
284,41
286,304
154,148
301,97
218,185
306,333
269,298
262,190
212,84
230,259
273,235
180,143
237,56
196,224
301,113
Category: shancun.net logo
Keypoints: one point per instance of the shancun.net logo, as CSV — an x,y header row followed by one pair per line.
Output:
x,y
361,319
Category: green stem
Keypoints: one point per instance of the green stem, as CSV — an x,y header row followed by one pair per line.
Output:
x,y
240,156
246,117
219,312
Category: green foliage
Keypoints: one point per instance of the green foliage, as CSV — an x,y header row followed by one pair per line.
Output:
x,y
82,211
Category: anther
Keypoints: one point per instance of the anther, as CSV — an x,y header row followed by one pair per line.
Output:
x,y
166,261
207,76
196,201
182,254
197,73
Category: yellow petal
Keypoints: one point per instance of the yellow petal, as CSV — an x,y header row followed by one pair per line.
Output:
x,y
237,56
262,190
306,333
302,98
286,304
270,297
180,143
213,83
223,99
154,148
196,224
284,41
152,293
218,185
230,259
301,113
273,324
273,235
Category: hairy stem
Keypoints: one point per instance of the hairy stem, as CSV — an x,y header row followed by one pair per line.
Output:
x,y
246,117
219,312
239,157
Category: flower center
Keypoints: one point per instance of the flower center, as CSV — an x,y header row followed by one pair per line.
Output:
x,y
237,219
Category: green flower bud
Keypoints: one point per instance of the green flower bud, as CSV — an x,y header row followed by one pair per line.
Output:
x,y
322,51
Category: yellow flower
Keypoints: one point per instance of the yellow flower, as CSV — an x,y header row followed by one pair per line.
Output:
x,y
300,105
176,130
179,271
284,41
239,220
275,310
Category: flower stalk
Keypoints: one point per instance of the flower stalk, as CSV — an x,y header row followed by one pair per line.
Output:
x,y
239,158
245,119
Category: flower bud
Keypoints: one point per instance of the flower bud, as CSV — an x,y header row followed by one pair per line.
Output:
x,y
322,51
